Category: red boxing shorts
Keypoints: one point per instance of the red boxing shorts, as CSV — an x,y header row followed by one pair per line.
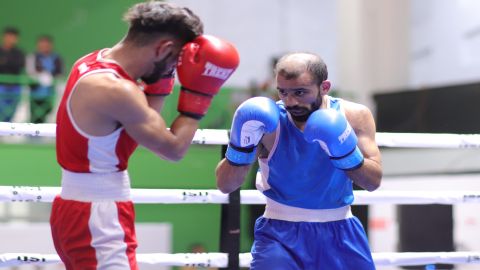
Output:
x,y
92,222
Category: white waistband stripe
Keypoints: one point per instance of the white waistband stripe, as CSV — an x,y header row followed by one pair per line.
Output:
x,y
91,187
275,210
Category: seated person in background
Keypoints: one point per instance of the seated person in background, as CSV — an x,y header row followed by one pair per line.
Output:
x,y
44,65
12,62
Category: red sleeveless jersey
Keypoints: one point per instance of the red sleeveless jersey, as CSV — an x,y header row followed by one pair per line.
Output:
x,y
78,151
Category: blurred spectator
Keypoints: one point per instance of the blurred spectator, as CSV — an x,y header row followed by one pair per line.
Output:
x,y
12,62
267,87
44,65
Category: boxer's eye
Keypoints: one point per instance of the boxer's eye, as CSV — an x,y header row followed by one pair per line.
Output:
x,y
299,92
282,92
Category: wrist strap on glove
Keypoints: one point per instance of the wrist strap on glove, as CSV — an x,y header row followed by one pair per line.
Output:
x,y
350,161
238,156
193,104
162,87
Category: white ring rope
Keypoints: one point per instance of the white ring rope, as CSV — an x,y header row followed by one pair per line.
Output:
x,y
202,136
221,259
191,196
220,137
27,129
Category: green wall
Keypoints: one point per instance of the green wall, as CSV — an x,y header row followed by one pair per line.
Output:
x,y
78,27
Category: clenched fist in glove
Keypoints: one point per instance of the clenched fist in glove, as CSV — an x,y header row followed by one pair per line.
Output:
x,y
253,118
204,65
337,138
162,87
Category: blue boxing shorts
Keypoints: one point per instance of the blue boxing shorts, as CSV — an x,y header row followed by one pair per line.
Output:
x,y
334,245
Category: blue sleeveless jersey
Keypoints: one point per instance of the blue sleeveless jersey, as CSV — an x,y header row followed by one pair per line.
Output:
x,y
300,174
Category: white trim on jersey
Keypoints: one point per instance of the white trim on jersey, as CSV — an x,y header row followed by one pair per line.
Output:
x,y
100,58
261,183
102,152
101,149
69,110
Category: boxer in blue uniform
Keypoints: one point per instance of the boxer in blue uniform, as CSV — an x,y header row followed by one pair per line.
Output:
x,y
311,148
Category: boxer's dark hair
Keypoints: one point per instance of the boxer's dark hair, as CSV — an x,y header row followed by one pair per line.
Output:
x,y
313,63
151,19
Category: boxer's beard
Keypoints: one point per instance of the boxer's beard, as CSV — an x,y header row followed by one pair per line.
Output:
x,y
301,113
158,72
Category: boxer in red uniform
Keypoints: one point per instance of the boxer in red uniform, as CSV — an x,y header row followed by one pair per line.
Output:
x,y
111,103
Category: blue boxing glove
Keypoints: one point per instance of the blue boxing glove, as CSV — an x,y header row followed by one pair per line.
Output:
x,y
332,131
253,118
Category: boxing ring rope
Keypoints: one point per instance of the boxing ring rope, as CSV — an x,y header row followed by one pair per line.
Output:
x,y
221,259
184,196
220,137
213,196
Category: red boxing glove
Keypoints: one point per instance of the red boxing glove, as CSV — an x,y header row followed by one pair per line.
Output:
x,y
162,87
204,65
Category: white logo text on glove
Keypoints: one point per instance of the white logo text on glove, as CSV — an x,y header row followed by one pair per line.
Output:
x,y
215,71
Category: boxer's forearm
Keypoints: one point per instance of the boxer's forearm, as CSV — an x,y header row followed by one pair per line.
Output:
x,y
230,177
368,176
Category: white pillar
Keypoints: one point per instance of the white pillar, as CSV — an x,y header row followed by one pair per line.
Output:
x,y
373,40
